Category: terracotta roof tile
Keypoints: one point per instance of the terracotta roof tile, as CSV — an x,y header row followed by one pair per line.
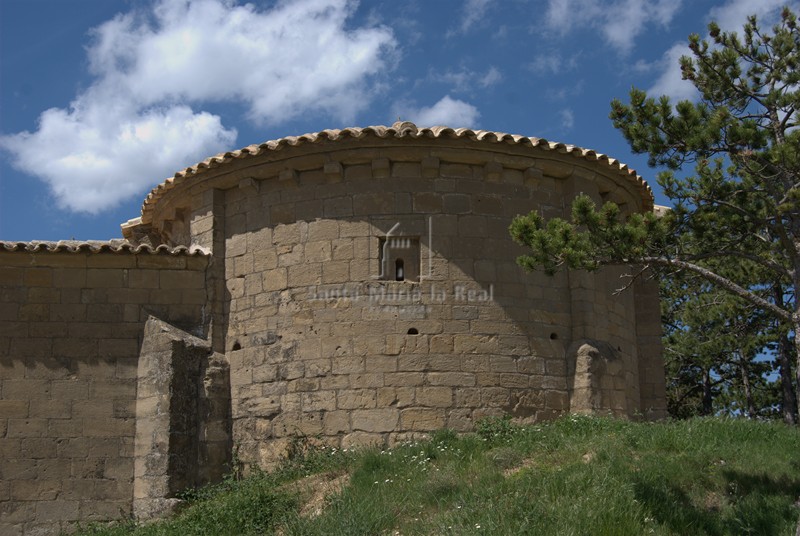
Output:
x,y
99,246
398,130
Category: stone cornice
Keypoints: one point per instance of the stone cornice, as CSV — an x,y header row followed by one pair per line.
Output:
x,y
399,130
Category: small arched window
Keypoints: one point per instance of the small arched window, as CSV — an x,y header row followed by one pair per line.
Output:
x,y
399,274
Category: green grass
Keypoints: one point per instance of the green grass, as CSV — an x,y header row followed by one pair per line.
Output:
x,y
573,476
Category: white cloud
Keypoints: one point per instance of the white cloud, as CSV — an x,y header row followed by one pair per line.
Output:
x,y
466,79
552,62
95,158
565,92
134,124
492,77
284,61
450,112
670,81
567,118
642,66
619,21
474,11
732,15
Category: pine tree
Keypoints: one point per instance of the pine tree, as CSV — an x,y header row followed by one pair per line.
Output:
x,y
715,348
735,221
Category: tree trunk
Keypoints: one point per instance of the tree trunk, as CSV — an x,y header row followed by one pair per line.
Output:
x,y
795,323
708,398
788,393
748,392
789,397
796,326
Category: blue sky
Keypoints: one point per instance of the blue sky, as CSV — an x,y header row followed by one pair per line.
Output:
x,y
100,100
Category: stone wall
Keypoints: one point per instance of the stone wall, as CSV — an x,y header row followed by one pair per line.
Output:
x,y
359,288
71,325
183,438
321,343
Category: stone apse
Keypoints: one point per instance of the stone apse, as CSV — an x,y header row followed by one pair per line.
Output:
x,y
357,286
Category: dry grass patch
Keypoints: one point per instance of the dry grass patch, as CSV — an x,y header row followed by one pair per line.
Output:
x,y
314,491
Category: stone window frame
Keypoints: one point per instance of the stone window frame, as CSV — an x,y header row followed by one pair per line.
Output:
x,y
399,258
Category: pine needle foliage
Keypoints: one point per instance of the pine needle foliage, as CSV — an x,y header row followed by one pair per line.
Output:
x,y
731,168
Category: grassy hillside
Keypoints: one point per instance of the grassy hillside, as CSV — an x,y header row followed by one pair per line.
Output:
x,y
574,476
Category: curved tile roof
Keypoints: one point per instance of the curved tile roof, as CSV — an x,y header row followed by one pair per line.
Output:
x,y
99,246
398,130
